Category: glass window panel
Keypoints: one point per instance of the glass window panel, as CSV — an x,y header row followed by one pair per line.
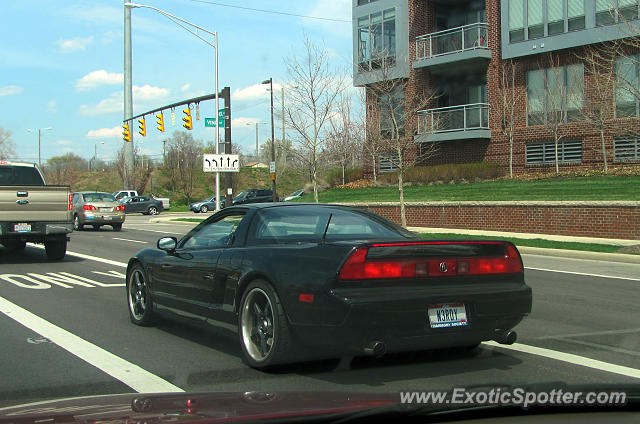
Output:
x,y
364,52
556,27
376,18
516,14
575,84
622,3
575,8
390,38
576,23
389,14
602,5
376,32
362,22
554,10
534,12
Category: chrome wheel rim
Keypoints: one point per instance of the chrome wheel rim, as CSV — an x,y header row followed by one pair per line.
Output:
x,y
137,294
76,223
257,325
203,209
153,211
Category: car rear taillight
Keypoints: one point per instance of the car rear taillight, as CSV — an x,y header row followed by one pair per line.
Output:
x,y
119,208
358,267
70,205
89,208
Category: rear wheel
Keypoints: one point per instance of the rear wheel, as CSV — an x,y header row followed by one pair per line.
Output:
x,y
152,210
264,332
96,227
76,223
56,248
139,297
204,208
117,227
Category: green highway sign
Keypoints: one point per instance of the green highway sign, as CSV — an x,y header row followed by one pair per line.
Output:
x,y
211,122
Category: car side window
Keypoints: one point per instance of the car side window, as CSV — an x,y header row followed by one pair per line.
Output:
x,y
215,234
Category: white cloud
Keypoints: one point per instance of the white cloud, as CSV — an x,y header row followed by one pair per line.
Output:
x,y
115,102
97,78
64,142
334,9
74,44
148,92
9,90
185,87
242,122
105,132
109,36
255,91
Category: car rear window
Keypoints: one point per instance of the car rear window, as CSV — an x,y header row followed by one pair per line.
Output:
x,y
20,175
264,192
293,224
99,197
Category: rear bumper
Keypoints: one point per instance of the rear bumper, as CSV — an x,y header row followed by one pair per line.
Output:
x,y
102,219
39,230
402,323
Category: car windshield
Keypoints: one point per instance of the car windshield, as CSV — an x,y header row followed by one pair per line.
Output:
x,y
412,196
99,197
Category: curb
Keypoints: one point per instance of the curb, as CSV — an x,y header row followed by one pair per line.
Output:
x,y
171,220
579,254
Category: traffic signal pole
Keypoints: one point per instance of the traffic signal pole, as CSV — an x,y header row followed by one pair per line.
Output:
x,y
128,100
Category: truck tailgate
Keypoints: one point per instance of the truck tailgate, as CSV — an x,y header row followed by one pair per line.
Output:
x,y
34,203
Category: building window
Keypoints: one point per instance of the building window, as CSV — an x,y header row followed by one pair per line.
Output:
x,y
387,163
555,94
626,149
608,12
544,18
361,2
392,108
628,86
377,39
543,153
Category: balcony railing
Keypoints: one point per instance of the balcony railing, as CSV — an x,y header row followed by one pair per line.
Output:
x,y
454,118
454,40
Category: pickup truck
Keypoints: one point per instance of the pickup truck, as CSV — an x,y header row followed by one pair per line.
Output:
x,y
122,194
31,211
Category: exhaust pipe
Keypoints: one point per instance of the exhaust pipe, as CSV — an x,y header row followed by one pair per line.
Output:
x,y
506,337
375,349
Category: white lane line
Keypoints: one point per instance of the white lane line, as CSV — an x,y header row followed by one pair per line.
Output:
x,y
137,378
153,231
570,358
582,273
131,241
89,257
602,347
592,333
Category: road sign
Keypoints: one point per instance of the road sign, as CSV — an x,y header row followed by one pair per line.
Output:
x,y
220,113
272,167
220,163
211,122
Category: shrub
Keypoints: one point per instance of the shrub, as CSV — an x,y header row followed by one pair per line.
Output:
x,y
334,176
445,173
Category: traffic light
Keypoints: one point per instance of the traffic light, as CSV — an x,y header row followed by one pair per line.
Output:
x,y
126,134
160,121
143,127
188,122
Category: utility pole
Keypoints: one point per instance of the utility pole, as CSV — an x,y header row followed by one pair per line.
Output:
x,y
283,143
164,154
228,177
39,143
128,99
273,141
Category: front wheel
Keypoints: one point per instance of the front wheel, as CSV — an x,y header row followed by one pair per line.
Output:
x,y
152,210
264,332
138,297
204,209
56,248
76,223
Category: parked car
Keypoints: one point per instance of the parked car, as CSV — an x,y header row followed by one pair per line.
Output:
x,y
121,194
295,195
97,209
254,195
208,204
32,211
306,281
142,204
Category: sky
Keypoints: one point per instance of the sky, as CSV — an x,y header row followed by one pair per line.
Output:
x,y
61,66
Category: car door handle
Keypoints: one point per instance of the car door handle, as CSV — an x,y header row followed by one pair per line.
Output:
x,y
166,266
22,202
209,276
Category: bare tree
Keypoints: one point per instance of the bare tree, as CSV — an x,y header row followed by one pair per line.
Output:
x,y
312,95
393,111
343,145
6,144
141,175
184,158
599,108
509,100
64,169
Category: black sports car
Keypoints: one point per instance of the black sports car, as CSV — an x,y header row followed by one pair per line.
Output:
x,y
306,281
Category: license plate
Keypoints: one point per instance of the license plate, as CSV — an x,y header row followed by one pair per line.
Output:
x,y
447,315
22,228
106,217
105,209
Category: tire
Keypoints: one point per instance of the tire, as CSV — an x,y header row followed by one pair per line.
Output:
x,y
77,226
117,227
204,209
152,210
96,227
138,297
15,244
56,248
268,342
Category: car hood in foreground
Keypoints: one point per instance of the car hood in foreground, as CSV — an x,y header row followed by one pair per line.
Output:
x,y
193,408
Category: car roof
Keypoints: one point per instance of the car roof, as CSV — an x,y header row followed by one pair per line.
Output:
x,y
93,192
266,205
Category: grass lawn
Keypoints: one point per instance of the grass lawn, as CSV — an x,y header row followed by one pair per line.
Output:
x,y
546,244
581,188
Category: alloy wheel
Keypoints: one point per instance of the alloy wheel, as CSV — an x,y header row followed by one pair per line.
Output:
x,y
137,294
258,324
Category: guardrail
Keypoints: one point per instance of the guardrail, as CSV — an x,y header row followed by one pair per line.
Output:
x,y
454,40
454,118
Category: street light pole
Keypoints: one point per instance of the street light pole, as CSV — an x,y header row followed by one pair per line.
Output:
x,y
257,142
273,141
39,143
128,99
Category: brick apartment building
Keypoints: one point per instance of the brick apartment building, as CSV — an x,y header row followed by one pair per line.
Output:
x,y
458,48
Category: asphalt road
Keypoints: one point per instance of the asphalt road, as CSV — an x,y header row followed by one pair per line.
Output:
x,y
587,309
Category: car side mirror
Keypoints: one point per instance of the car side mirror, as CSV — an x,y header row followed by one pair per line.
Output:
x,y
168,244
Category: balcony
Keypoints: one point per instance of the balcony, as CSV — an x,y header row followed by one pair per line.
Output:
x,y
454,123
462,45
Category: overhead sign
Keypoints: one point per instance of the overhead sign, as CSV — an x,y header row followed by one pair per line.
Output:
x,y
220,163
